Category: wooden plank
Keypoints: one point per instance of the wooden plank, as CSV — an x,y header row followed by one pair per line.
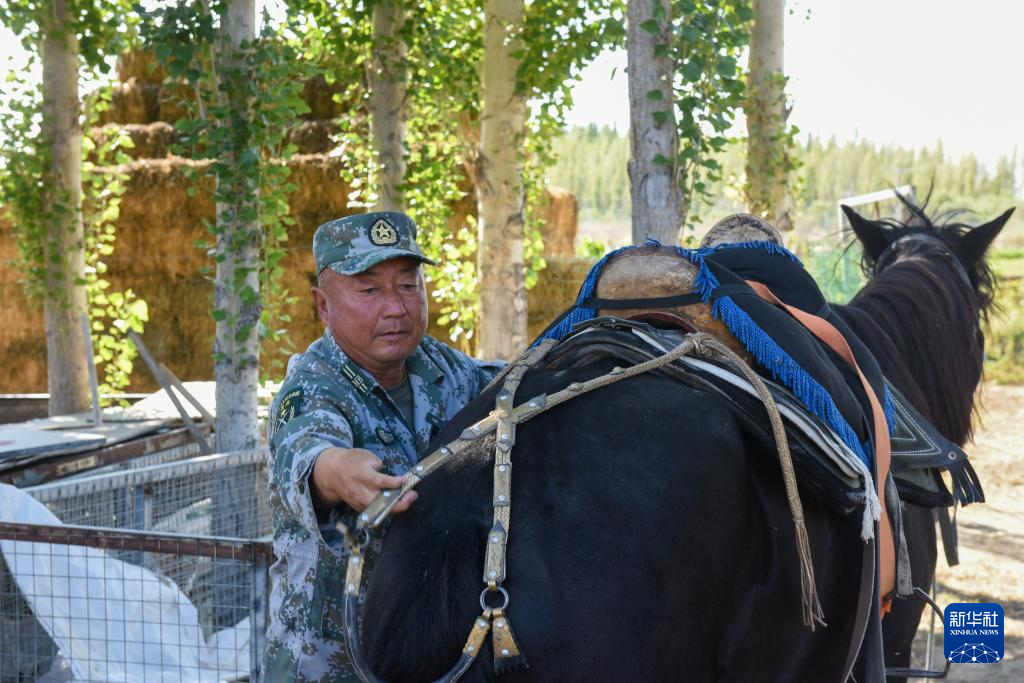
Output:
x,y
40,471
147,541
18,442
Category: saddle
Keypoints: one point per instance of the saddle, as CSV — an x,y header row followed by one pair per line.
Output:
x,y
656,284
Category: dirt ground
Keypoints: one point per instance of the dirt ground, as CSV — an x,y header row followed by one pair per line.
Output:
x,y
991,565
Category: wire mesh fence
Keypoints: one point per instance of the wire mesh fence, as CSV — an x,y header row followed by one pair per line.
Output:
x,y
168,582
72,607
188,450
214,495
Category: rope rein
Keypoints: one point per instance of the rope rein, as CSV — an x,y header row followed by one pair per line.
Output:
x,y
503,420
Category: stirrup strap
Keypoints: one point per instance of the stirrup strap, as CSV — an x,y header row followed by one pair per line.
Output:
x,y
827,332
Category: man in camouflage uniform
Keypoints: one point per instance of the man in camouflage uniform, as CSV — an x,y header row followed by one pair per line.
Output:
x,y
355,412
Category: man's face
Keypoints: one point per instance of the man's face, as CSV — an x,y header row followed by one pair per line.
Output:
x,y
379,316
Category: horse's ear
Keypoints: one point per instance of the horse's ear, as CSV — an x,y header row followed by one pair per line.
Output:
x,y
869,233
974,244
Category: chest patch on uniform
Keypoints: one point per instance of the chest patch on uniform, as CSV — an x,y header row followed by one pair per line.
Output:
x,y
291,405
386,437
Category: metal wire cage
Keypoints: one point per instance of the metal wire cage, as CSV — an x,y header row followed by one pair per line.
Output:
x,y
168,582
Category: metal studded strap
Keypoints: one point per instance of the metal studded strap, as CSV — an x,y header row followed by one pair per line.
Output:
x,y
507,655
505,417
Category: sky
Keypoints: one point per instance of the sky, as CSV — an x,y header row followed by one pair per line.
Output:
x,y
907,72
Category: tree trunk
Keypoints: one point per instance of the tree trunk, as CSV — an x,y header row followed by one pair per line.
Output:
x,y
386,74
237,284
653,138
767,146
499,186
237,293
64,303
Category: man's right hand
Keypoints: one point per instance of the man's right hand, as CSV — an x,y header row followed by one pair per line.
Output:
x,y
352,476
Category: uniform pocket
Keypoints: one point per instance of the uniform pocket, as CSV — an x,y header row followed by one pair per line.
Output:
x,y
330,585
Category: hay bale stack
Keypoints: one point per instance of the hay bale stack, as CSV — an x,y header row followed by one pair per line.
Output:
x,y
312,137
141,65
149,140
555,291
319,96
23,351
321,196
561,222
155,257
159,221
321,193
173,102
156,210
132,102
159,224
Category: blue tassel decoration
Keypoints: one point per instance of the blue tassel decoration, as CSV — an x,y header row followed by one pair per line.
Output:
x,y
779,363
783,368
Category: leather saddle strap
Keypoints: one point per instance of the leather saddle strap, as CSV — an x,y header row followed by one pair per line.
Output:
x,y
827,332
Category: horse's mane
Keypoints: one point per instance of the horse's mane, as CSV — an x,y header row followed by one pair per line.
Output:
x,y
922,321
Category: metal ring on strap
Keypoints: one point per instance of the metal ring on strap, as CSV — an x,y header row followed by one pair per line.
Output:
x,y
483,598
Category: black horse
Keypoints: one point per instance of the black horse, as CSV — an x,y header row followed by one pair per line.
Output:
x,y
920,316
650,536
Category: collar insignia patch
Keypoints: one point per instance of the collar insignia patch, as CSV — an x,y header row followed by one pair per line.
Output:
x,y
355,378
383,234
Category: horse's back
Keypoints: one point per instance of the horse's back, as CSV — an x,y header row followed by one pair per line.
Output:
x,y
650,540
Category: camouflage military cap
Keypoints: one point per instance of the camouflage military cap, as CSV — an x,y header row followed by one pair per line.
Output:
x,y
353,244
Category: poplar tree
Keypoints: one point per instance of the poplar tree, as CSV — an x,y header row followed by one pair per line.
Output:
x,y
237,251
386,74
42,180
768,146
64,305
657,201
499,185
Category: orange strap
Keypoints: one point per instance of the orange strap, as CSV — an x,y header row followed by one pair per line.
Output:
x,y
827,332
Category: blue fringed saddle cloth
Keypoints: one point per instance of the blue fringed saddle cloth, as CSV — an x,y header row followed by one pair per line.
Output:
x,y
787,353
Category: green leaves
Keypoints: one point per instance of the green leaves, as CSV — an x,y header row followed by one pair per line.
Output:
x,y
708,40
652,26
244,100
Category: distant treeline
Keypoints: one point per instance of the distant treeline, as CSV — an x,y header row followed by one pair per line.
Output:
x,y
592,164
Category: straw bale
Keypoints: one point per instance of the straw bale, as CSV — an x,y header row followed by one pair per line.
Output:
x,y
151,140
155,257
556,289
156,213
180,330
172,101
141,65
319,95
561,221
312,137
132,102
321,193
22,340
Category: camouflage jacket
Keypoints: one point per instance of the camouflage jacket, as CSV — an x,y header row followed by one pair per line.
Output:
x,y
327,400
